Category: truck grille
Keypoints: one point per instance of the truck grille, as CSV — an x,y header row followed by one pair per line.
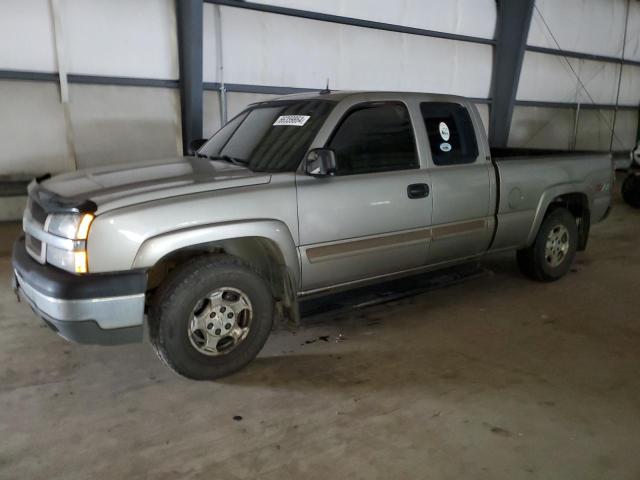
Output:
x,y
37,212
34,246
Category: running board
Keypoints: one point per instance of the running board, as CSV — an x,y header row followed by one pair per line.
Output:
x,y
316,309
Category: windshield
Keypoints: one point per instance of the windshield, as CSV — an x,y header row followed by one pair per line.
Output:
x,y
270,137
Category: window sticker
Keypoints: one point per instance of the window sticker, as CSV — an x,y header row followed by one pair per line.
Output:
x,y
444,133
445,147
292,120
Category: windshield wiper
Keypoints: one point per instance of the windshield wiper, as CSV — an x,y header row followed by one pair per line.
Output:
x,y
236,161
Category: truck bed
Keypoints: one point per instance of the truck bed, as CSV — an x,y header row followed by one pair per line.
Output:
x,y
529,185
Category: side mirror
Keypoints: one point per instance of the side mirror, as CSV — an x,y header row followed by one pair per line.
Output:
x,y
321,162
195,145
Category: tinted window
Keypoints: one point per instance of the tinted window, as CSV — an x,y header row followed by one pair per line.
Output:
x,y
272,136
221,137
451,135
374,138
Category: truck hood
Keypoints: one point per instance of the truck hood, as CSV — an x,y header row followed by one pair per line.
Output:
x,y
123,185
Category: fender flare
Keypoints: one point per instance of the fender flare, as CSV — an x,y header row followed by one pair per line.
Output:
x,y
547,197
154,249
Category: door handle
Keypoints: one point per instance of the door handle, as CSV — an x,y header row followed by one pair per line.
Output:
x,y
418,190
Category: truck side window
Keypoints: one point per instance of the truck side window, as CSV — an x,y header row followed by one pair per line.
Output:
x,y
375,137
451,135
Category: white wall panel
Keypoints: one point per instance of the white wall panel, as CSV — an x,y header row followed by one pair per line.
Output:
x,y
632,49
269,49
33,137
590,26
121,38
113,124
26,36
630,85
535,127
626,130
468,17
594,130
210,113
548,78
209,42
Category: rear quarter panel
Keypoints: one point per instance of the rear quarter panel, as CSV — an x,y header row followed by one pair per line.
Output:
x,y
528,185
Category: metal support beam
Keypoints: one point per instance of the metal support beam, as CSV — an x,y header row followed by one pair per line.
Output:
x,y
512,29
582,55
189,20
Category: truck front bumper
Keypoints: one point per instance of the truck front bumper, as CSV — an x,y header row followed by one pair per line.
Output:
x,y
103,309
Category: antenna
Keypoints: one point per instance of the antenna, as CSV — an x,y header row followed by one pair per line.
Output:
x,y
326,90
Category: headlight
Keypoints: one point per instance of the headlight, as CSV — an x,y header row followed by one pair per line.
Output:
x,y
73,226
70,225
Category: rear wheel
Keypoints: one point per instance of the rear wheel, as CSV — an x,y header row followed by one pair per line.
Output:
x,y
631,190
211,317
552,253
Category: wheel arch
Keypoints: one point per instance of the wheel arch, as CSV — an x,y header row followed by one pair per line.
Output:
x,y
266,244
571,198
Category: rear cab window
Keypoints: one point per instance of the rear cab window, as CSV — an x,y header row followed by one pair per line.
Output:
x,y
452,138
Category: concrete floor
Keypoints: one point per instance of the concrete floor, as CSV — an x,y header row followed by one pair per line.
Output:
x,y
499,378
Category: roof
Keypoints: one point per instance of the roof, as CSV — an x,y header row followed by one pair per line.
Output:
x,y
338,95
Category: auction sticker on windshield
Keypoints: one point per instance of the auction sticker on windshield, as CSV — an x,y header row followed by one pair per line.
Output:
x,y
292,120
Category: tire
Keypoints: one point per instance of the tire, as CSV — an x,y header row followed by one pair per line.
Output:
x,y
535,261
183,298
631,190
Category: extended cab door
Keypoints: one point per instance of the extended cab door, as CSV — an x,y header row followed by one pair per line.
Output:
x,y
371,217
462,182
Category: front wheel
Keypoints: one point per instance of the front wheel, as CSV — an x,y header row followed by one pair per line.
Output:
x,y
551,255
211,317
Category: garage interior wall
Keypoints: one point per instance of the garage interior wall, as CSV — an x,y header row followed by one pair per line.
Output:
x,y
121,61
101,123
591,27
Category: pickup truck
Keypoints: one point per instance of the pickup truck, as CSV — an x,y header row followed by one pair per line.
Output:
x,y
294,197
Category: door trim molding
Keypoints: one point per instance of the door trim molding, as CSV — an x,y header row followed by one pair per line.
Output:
x,y
355,247
388,276
458,228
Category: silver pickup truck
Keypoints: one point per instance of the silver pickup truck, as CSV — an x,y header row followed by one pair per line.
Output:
x,y
293,197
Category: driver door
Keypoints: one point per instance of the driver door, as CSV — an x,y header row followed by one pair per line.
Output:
x,y
371,217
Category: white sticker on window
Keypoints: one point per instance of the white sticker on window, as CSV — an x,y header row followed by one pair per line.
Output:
x,y
292,120
445,147
444,131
